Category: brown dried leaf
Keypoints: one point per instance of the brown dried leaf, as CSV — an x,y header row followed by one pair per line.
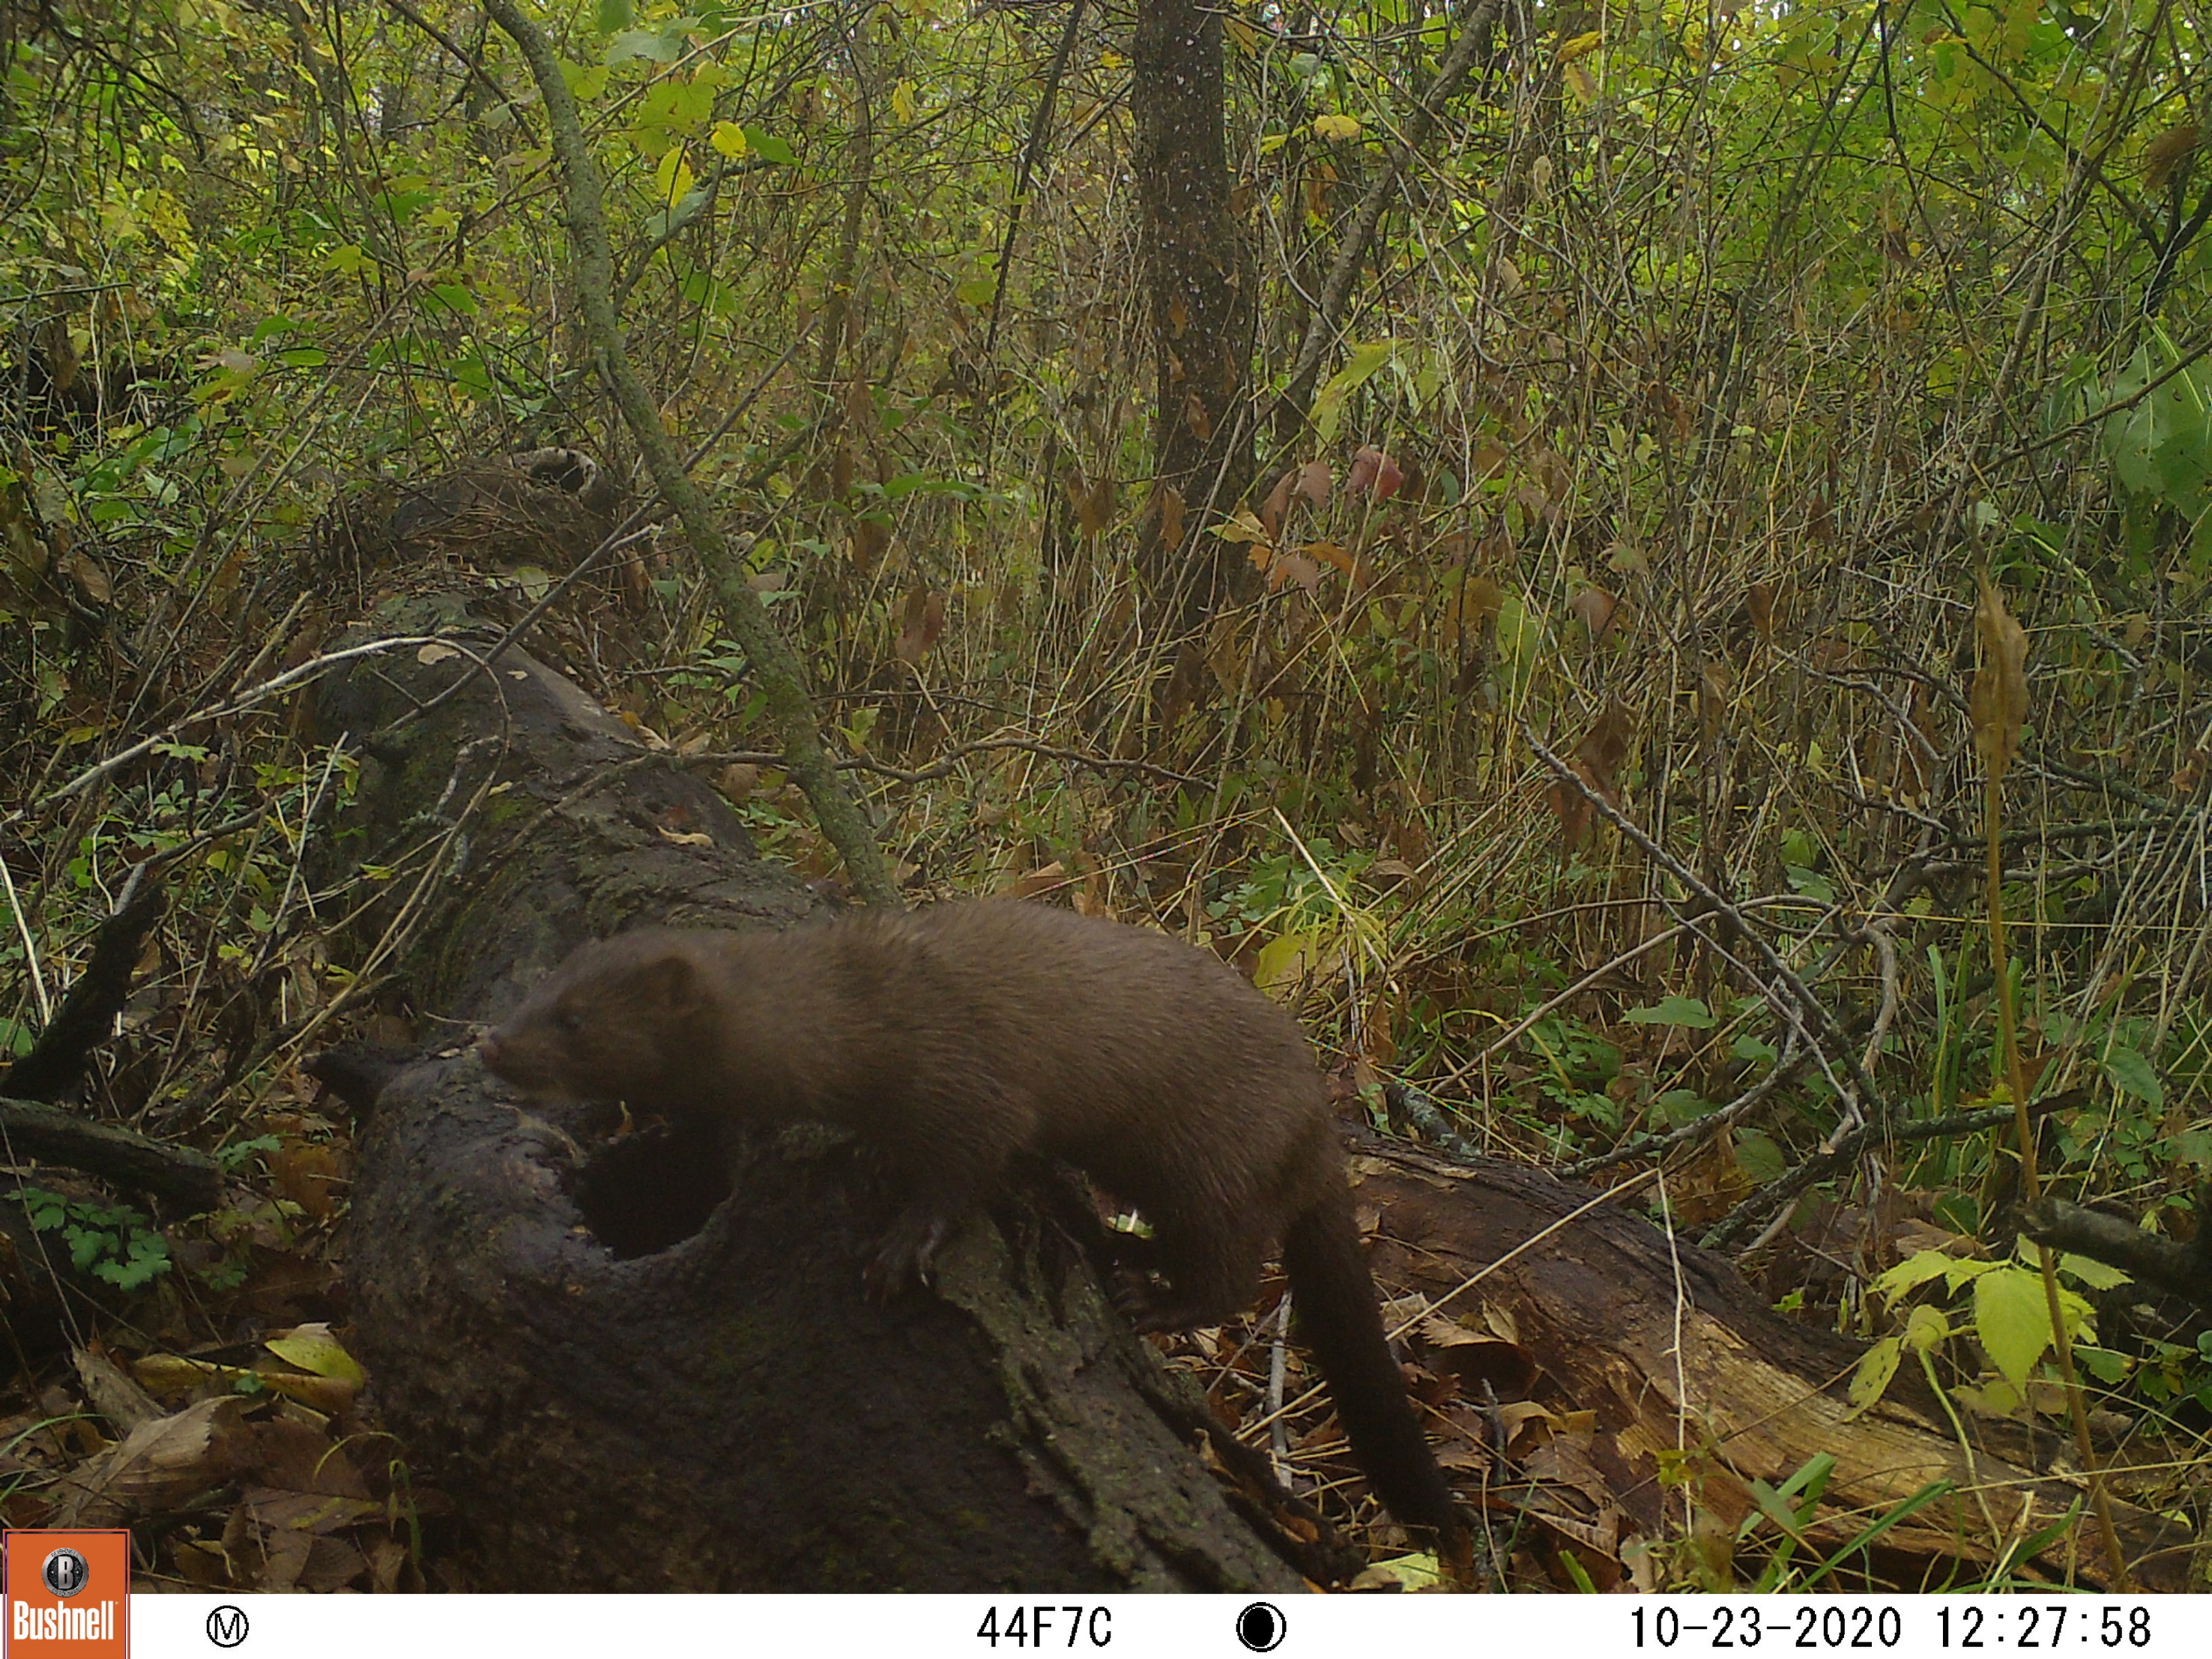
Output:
x,y
1331,553
307,1172
1171,517
2164,153
2189,774
1295,567
1599,755
157,1464
1594,608
1572,809
869,541
1758,599
1597,764
332,1564
1185,685
1314,480
1197,416
1094,506
87,572
923,622
1999,702
1225,654
1047,879
1272,510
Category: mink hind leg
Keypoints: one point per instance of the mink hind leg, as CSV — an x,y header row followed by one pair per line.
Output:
x,y
1213,1273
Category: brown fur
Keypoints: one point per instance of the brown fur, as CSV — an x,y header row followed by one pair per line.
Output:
x,y
954,1038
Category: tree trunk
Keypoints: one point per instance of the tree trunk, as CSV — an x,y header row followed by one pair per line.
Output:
x,y
1198,274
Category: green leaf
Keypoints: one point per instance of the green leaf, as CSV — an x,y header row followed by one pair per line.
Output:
x,y
2012,1321
2097,1275
769,147
655,46
1811,882
451,296
1927,1329
1913,1272
1329,403
1673,1010
2132,1074
1759,1157
1755,1049
2109,1367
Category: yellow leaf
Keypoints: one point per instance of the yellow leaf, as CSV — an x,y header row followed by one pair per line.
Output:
x,y
1336,126
1284,963
1876,1367
1581,47
1243,526
902,101
1328,402
673,179
728,139
313,1348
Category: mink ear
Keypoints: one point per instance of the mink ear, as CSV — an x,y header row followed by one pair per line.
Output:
x,y
672,981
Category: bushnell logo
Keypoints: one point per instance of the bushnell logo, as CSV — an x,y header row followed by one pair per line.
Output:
x,y
65,1572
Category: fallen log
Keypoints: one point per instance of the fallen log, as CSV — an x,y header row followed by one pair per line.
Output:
x,y
1696,1389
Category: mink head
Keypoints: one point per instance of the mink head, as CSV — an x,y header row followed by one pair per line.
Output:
x,y
614,1022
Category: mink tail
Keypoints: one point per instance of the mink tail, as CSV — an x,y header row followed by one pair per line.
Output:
x,y
1334,1304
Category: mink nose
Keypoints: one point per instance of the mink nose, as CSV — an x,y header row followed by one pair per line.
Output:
x,y
488,1051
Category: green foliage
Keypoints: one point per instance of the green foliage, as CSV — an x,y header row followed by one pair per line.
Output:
x,y
2011,1320
112,1242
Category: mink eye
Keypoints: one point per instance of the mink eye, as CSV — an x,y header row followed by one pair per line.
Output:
x,y
568,1020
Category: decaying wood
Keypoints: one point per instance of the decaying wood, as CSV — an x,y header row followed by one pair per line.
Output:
x,y
1670,1350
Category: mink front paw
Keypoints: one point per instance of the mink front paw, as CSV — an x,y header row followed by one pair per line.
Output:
x,y
904,1255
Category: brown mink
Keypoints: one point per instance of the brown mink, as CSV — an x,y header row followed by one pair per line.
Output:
x,y
956,1036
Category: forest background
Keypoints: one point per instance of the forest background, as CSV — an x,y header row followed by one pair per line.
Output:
x,y
1203,460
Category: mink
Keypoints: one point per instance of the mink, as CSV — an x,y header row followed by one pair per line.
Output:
x,y
952,1038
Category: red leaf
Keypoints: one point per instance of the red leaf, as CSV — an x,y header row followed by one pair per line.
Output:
x,y
1372,470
